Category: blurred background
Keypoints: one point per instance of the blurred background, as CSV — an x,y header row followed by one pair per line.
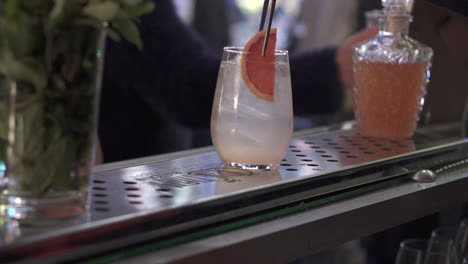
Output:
x,y
303,25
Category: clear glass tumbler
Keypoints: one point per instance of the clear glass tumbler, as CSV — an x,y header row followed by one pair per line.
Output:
x,y
411,251
248,130
461,241
441,248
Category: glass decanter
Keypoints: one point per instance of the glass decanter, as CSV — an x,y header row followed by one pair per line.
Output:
x,y
391,73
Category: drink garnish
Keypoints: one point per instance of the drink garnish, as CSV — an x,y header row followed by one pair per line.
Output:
x,y
258,71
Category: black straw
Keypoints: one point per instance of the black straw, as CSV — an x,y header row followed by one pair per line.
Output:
x,y
270,21
266,3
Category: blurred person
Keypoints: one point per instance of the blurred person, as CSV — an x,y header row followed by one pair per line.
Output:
x,y
174,77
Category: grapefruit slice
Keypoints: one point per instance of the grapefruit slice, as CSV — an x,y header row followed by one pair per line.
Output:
x,y
258,71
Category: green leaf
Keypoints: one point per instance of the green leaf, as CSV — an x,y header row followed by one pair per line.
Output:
x,y
29,162
131,2
4,112
11,9
3,119
129,31
61,165
100,26
103,11
112,34
61,14
139,10
3,147
21,36
37,6
21,71
57,10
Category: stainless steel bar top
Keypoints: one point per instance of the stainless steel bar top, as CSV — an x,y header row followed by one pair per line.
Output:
x,y
332,158
288,238
158,198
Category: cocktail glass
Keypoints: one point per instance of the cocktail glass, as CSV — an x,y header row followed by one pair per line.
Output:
x,y
249,131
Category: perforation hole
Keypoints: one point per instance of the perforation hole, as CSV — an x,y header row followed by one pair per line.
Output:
x,y
306,160
100,195
338,148
133,195
132,189
315,147
99,188
363,148
345,152
327,140
101,209
291,169
165,196
136,202
129,182
295,150
309,142
163,190
332,160
378,145
386,149
356,144
299,155
286,164
99,181
100,202
284,160
292,146
326,156
368,152
351,156
312,165
320,151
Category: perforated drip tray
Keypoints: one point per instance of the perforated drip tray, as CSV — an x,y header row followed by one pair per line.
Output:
x,y
322,163
149,201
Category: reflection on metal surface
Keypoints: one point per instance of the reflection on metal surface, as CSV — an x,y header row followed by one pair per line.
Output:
x,y
424,176
194,179
222,172
430,176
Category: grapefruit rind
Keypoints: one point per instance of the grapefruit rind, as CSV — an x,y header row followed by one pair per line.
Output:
x,y
253,64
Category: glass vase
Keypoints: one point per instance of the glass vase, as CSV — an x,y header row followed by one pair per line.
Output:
x,y
48,129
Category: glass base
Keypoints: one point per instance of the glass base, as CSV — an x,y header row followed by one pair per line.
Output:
x,y
245,166
53,209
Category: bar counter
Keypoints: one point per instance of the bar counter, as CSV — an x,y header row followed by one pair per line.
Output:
x,y
333,186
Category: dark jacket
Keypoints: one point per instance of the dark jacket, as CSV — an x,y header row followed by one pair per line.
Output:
x,y
174,78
